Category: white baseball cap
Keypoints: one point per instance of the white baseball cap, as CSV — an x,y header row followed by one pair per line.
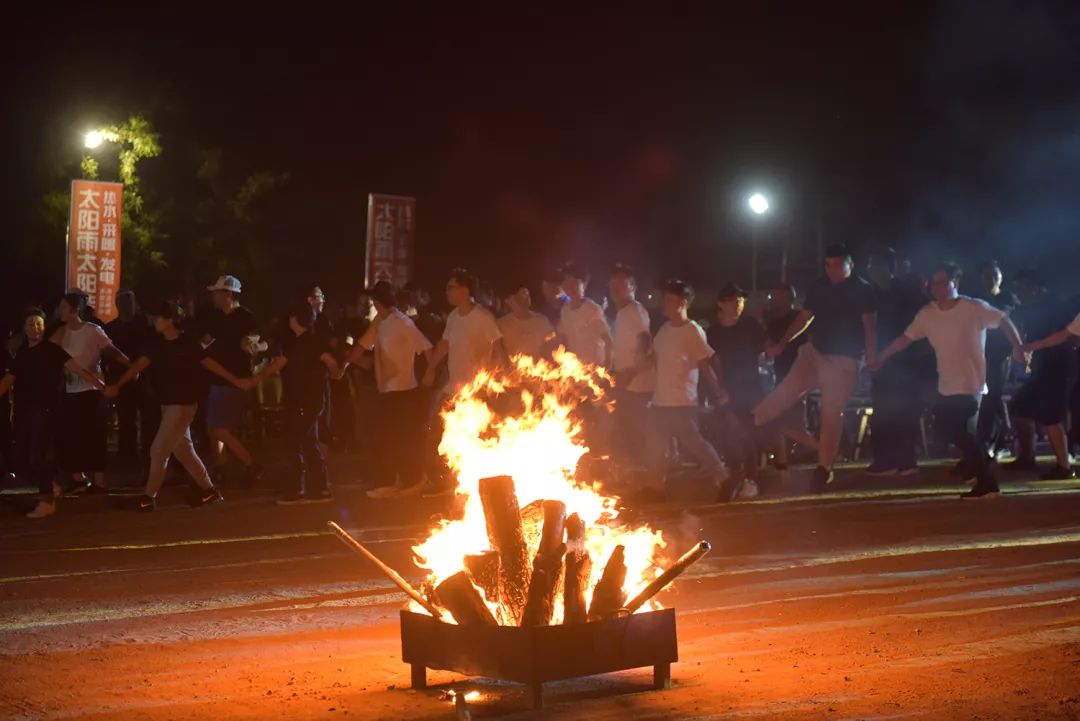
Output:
x,y
226,282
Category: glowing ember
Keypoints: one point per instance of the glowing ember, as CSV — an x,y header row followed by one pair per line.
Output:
x,y
520,422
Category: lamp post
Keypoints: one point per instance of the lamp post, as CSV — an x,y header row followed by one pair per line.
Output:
x,y
759,205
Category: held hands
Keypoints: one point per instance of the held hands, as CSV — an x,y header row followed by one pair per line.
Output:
x,y
722,396
774,349
429,378
111,392
247,384
1022,354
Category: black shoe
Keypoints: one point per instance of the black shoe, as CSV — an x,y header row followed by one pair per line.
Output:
x,y
880,469
981,492
147,503
907,471
1021,464
822,478
209,497
1059,473
728,490
320,497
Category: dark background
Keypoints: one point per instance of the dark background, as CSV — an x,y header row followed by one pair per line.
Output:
x,y
948,130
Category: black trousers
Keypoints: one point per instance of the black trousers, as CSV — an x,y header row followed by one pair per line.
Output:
x,y
993,422
81,440
33,451
138,415
399,426
732,432
954,419
307,464
894,426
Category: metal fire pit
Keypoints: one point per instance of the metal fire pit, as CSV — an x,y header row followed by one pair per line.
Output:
x,y
538,654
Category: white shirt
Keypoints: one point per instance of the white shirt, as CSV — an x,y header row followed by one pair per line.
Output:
x,y
958,336
630,322
84,346
470,338
1074,327
679,349
396,343
525,335
584,330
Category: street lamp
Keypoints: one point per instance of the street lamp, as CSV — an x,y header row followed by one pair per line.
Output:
x,y
93,139
759,205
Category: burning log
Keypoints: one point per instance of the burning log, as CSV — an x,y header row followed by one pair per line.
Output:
x,y
463,601
547,567
393,575
608,596
486,572
578,572
661,582
503,518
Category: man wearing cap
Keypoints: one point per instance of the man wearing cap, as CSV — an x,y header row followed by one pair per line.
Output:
x,y
841,314
232,334
738,340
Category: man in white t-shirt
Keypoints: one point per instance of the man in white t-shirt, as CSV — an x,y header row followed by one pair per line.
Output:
x,y
582,326
524,330
396,342
472,339
682,355
635,376
956,327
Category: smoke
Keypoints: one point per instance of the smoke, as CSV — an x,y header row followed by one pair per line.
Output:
x,y
1003,173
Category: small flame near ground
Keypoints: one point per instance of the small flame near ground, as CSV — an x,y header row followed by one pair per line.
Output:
x,y
521,421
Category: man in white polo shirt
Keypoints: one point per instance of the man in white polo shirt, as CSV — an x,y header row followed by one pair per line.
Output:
x,y
956,327
396,341
524,330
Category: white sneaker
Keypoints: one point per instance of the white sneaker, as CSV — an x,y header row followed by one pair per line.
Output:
x,y
748,489
42,510
383,492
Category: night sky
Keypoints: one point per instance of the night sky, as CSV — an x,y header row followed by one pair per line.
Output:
x,y
948,130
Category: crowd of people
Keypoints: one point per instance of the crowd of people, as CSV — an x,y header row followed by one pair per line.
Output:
x,y
723,397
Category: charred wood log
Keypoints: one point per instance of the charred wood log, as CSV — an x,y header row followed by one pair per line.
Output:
x,y
608,597
464,602
547,567
578,572
502,515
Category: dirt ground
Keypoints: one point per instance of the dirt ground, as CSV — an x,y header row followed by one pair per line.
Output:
x,y
873,603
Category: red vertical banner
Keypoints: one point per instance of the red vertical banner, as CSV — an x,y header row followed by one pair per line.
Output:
x,y
93,257
391,239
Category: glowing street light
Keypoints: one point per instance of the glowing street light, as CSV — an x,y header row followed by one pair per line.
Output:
x,y
93,139
759,203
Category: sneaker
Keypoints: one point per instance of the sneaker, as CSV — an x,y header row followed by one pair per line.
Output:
x,y
728,490
823,477
320,497
253,475
748,489
147,503
76,490
880,469
383,492
437,491
907,471
981,492
1021,464
43,509
415,489
209,497
1059,473
780,465
293,499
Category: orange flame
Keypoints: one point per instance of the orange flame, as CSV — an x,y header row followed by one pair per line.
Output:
x,y
519,422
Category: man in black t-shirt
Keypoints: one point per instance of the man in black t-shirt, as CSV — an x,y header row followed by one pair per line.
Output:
x,y
993,423
841,314
178,362
738,341
37,374
305,364
894,390
232,338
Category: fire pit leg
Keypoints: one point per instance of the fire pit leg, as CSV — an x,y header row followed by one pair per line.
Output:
x,y
419,676
661,676
536,691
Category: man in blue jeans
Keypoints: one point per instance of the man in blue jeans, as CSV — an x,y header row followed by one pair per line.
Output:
x,y
304,365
